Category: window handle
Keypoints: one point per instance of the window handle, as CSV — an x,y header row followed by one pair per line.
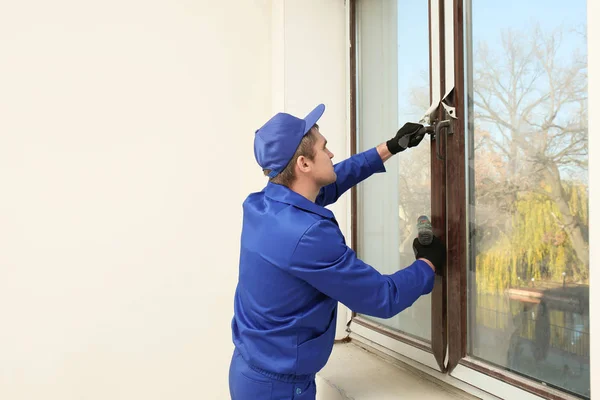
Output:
x,y
447,126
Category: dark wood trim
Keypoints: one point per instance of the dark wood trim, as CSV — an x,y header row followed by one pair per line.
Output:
x,y
353,130
346,339
518,381
438,220
394,334
457,216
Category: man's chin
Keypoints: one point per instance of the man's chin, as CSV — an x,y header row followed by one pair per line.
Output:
x,y
329,181
333,179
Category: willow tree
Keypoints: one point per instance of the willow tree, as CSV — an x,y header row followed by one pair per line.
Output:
x,y
530,106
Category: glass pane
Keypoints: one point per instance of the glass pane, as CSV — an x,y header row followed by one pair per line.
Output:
x,y
393,88
528,174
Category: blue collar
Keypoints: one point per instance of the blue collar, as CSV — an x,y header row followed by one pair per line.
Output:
x,y
285,195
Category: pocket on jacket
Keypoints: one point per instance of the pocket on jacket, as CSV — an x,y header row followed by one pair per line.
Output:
x,y
246,388
314,353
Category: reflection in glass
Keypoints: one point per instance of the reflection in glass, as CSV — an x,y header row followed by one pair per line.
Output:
x,y
528,181
393,88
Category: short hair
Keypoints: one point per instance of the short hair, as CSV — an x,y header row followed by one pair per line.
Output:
x,y
306,148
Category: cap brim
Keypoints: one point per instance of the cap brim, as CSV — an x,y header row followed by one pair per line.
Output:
x,y
313,117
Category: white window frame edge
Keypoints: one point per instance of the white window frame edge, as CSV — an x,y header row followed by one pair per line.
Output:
x,y
346,313
434,37
449,44
413,357
463,378
404,350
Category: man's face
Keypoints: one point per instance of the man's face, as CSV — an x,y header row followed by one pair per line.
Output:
x,y
322,171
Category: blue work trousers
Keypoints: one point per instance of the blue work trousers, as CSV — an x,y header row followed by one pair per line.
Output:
x,y
247,383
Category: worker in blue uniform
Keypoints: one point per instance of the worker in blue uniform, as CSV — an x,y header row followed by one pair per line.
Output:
x,y
295,265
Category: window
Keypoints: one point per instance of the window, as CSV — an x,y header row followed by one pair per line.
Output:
x,y
504,181
389,204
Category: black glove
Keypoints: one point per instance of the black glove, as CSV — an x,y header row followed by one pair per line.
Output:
x,y
407,136
434,252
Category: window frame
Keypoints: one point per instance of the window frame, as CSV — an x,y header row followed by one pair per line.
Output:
x,y
438,295
449,213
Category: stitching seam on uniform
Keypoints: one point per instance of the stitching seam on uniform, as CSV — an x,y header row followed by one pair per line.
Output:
x,y
290,262
300,239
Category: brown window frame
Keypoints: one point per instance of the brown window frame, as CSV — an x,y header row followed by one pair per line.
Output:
x,y
448,214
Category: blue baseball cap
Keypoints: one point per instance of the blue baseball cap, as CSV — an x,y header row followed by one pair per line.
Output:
x,y
276,141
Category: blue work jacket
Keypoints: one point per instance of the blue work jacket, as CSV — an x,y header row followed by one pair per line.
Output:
x,y
294,268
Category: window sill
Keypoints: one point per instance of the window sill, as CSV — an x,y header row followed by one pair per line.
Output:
x,y
354,373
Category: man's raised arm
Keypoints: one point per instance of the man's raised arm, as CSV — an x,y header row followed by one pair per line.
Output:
x,y
359,167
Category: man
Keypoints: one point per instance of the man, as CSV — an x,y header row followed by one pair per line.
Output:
x,y
295,265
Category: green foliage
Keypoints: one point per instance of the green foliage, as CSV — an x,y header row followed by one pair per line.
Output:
x,y
535,246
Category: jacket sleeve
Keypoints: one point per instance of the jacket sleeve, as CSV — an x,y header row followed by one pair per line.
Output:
x,y
322,259
350,172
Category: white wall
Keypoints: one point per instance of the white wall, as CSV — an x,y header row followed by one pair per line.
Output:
x,y
126,132
125,153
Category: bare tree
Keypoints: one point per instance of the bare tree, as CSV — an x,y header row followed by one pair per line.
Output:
x,y
414,173
533,100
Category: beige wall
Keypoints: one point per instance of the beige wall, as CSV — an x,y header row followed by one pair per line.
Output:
x,y
126,133
125,128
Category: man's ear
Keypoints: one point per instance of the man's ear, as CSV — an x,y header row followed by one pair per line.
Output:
x,y
302,164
